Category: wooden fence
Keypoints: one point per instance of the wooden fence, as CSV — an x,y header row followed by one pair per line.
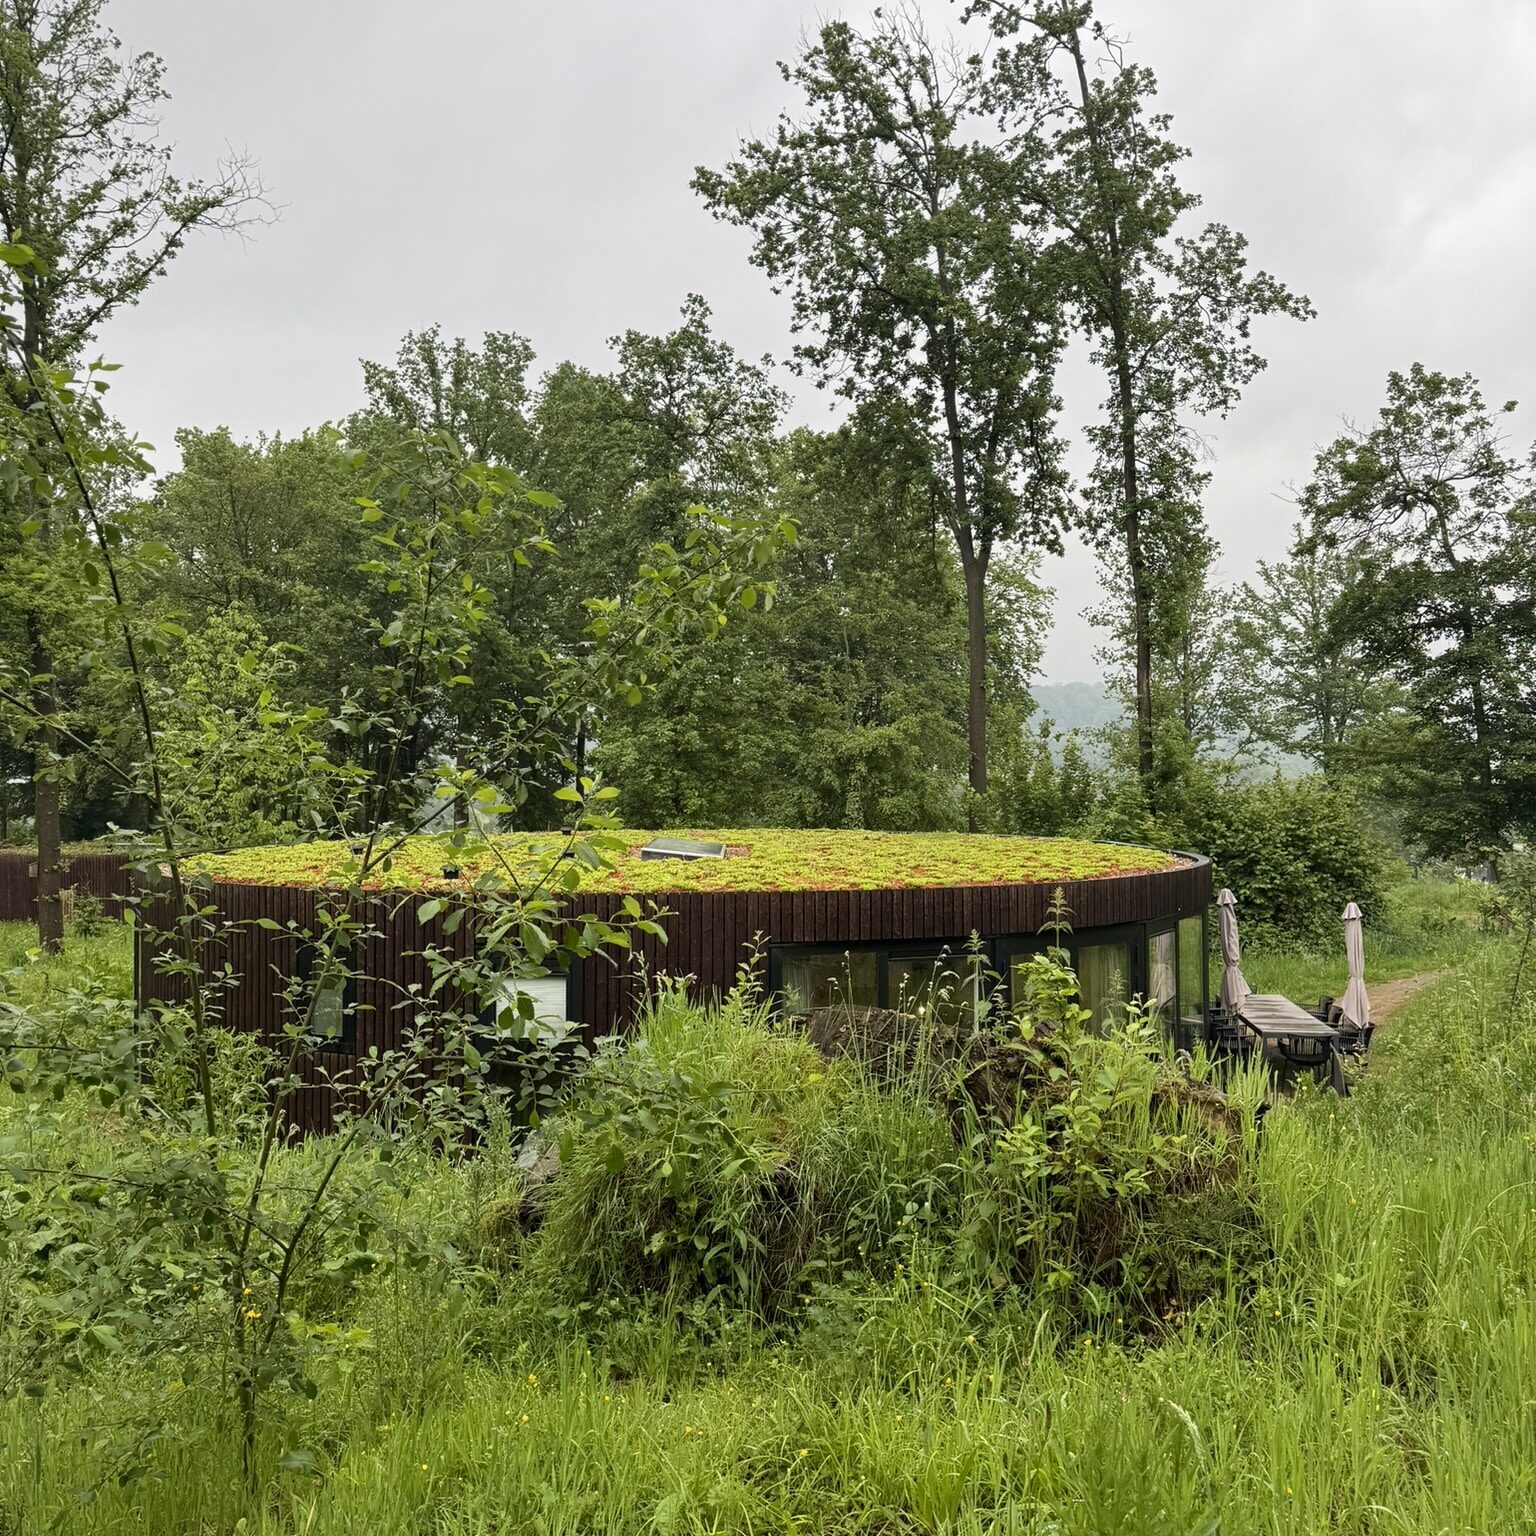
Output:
x,y
106,876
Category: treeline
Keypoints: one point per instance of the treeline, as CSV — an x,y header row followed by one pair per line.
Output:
x,y
943,221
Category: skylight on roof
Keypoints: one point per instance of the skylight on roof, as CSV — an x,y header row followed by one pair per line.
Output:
x,y
681,848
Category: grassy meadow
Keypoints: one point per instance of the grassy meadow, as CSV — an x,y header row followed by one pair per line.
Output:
x,y
1360,1356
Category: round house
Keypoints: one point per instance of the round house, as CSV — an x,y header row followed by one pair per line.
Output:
x,y
828,918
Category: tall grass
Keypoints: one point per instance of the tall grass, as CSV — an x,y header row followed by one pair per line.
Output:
x,y
1373,1370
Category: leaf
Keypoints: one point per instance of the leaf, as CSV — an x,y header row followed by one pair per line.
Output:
x,y
428,910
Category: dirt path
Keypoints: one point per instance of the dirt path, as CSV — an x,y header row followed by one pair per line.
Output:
x,y
1389,996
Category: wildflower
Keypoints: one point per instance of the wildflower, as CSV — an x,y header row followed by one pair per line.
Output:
x,y
1288,1493
423,1466
533,1380
970,1338
687,1429
524,1419
245,1290
252,1315
803,1453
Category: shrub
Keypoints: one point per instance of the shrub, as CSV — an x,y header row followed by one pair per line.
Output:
x,y
1294,852
715,1157
722,1158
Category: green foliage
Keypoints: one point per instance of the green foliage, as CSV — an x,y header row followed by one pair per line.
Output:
x,y
860,651
1302,677
1435,513
890,213
227,742
192,1253
714,1159
1043,783
1294,851
1168,312
1374,1359
270,528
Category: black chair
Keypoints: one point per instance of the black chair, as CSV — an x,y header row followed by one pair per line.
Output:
x,y
1352,1040
1224,1036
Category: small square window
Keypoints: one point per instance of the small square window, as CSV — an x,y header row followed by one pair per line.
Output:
x,y
549,997
331,1000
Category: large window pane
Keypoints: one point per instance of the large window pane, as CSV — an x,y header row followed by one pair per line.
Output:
x,y
1191,968
1104,980
946,987
841,979
1162,973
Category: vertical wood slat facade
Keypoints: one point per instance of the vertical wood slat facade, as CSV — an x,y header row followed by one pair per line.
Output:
x,y
708,938
106,876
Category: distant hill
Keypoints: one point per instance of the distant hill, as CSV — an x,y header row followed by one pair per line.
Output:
x,y
1076,706
1087,706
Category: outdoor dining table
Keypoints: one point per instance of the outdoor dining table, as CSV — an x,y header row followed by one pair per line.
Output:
x,y
1300,1037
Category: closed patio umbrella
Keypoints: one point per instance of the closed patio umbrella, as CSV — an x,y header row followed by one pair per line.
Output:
x,y
1356,1006
1234,986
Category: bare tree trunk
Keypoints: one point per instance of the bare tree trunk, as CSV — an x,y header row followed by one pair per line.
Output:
x,y
50,839
975,569
47,824
1136,563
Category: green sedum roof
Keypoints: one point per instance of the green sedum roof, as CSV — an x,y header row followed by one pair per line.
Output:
x,y
759,859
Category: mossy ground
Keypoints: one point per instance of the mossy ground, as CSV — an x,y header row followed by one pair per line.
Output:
x,y
761,859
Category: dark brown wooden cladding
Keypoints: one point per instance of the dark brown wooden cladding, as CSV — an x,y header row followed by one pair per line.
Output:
x,y
710,935
107,876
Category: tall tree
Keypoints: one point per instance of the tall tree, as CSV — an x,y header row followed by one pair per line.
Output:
x,y
479,397
270,527
1308,687
889,215
844,703
1432,504
1167,314
87,187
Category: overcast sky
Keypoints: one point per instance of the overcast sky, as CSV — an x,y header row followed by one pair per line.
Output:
x,y
524,164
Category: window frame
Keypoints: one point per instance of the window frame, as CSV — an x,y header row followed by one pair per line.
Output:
x,y
1202,964
883,952
488,1014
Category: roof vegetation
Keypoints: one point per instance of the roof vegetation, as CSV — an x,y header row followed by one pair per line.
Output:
x,y
759,859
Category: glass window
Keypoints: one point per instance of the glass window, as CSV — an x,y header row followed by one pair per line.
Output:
x,y
946,986
1191,968
1162,973
838,979
329,1017
1104,980
550,998
331,1010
